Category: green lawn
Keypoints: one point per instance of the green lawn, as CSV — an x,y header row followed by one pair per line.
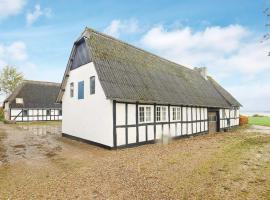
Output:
x,y
263,121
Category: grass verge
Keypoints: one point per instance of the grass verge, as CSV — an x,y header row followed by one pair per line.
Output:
x,y
262,121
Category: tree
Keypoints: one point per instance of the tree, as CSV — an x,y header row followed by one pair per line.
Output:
x,y
10,78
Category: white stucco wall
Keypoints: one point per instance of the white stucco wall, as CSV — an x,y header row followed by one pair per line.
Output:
x,y
90,118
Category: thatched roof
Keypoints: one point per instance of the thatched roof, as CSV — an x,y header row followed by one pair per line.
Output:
x,y
131,74
35,94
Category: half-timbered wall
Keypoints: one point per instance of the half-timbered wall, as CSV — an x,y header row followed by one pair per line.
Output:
x,y
27,114
142,123
229,117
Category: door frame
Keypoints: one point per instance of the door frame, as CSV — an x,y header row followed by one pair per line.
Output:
x,y
216,110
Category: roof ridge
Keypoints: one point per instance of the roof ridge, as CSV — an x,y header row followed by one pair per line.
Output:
x,y
41,82
134,47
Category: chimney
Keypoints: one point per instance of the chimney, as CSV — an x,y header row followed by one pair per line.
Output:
x,y
202,71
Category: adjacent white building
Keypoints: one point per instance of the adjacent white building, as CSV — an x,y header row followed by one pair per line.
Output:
x,y
116,95
33,101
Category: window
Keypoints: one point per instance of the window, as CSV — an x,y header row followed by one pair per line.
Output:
x,y
212,118
71,89
60,112
141,114
178,114
81,90
158,114
25,113
92,85
174,113
19,100
48,112
148,114
163,113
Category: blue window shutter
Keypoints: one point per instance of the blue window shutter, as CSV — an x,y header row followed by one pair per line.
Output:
x,y
81,90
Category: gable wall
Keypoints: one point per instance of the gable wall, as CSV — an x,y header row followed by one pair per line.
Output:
x,y
90,118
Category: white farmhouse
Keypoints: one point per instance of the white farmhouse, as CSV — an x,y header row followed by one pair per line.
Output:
x,y
33,101
116,95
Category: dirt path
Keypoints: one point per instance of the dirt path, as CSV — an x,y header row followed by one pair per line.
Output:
x,y
39,164
259,129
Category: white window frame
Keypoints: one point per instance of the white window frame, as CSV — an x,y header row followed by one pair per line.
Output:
x,y
164,113
174,114
148,114
141,114
145,114
178,113
163,110
158,113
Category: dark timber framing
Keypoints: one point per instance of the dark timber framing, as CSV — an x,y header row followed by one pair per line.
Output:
x,y
39,117
195,116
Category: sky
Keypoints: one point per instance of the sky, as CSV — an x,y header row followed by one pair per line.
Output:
x,y
225,36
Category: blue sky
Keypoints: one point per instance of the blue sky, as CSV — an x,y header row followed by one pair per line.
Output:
x,y
224,36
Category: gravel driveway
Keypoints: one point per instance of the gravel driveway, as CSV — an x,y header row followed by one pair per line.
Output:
x,y
37,163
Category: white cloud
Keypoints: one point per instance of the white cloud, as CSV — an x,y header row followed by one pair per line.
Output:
x,y
15,51
221,49
31,17
118,27
15,54
10,7
232,54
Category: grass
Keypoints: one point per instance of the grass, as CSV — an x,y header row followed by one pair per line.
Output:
x,y
263,121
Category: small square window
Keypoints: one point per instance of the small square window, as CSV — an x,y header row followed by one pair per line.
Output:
x,y
19,100
92,85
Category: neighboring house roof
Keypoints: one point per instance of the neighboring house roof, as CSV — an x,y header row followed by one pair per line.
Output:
x,y
127,73
35,94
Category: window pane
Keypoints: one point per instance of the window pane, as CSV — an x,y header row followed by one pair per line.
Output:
x,y
81,90
92,85
148,114
71,89
48,112
178,116
158,114
174,113
164,114
141,114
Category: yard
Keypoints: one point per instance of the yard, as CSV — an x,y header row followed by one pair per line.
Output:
x,y
36,163
260,120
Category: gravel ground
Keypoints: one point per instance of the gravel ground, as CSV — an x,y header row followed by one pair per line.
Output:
x,y
36,163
